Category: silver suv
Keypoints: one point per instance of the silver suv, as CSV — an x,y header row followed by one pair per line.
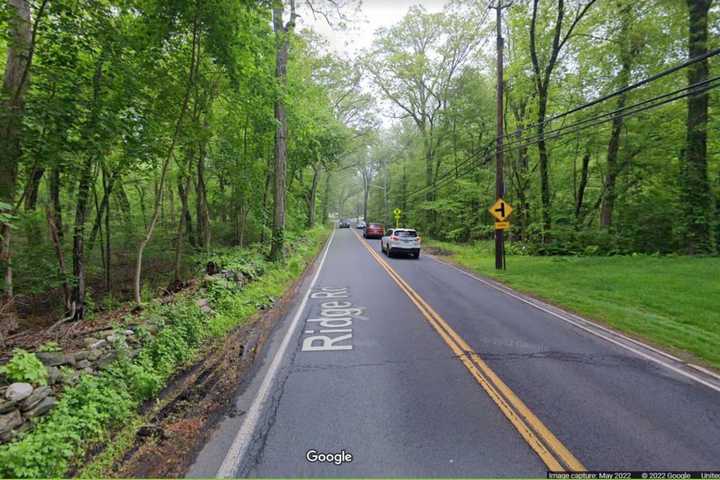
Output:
x,y
400,240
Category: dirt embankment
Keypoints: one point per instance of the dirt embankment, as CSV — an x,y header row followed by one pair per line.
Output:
x,y
195,401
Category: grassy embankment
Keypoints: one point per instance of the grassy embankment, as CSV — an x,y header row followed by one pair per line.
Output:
x,y
89,412
670,301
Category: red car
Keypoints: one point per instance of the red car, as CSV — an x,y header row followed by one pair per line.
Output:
x,y
374,230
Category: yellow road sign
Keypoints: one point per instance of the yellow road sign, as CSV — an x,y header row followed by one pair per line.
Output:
x,y
502,225
397,213
500,210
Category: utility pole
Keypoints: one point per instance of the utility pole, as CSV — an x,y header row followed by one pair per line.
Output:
x,y
499,178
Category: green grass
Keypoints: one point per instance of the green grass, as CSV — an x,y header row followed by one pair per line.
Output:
x,y
670,301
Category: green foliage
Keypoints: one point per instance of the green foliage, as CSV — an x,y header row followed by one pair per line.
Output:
x,y
111,96
25,367
82,416
251,263
50,346
650,166
88,411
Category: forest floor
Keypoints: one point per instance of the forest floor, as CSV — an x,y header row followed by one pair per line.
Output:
x,y
670,301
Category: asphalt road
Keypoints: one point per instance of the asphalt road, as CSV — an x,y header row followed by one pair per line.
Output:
x,y
416,369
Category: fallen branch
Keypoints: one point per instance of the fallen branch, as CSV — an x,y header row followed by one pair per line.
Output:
x,y
63,320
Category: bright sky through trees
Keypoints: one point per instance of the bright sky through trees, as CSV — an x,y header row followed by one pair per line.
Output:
x,y
373,14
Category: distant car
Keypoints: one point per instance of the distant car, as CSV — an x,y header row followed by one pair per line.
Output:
x,y
374,230
361,224
343,224
401,240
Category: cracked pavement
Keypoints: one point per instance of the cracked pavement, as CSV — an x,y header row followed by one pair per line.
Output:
x,y
403,404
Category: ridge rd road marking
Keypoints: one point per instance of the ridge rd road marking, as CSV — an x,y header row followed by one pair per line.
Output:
x,y
243,438
545,444
335,317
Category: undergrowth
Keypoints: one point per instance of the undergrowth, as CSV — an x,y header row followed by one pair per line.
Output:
x,y
96,406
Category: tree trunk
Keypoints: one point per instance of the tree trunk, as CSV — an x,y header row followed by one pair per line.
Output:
x,y
520,174
244,210
429,179
33,188
581,188
203,218
326,197
57,245
102,210
266,190
608,202
166,162
626,57
123,202
282,42
544,160
697,196
366,194
184,194
83,192
386,190
78,294
182,224
12,109
403,199
542,77
107,186
56,205
312,200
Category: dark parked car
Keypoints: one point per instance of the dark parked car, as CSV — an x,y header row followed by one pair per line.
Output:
x,y
374,230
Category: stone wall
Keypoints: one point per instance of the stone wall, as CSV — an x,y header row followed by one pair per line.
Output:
x,y
21,404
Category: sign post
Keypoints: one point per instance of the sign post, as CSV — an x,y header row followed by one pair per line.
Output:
x,y
501,210
499,180
397,213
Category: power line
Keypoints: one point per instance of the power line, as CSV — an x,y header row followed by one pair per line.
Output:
x,y
443,181
574,128
617,112
645,81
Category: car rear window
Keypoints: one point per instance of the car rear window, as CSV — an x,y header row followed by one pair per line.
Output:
x,y
375,225
406,233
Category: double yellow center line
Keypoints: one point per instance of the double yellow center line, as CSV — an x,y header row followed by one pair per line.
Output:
x,y
550,450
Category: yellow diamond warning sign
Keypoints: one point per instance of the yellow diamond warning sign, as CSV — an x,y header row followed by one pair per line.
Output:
x,y
500,210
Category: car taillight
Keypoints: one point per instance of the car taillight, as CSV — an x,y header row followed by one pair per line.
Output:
x,y
393,237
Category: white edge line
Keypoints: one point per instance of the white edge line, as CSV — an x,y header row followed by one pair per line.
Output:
x,y
608,338
243,437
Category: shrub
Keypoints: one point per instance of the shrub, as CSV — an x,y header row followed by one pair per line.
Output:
x,y
88,411
82,416
25,367
49,347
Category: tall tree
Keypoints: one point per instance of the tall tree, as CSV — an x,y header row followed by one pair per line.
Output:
x,y
282,45
628,49
414,64
12,108
543,64
697,196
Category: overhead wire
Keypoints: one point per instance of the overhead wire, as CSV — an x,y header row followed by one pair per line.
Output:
x,y
624,112
626,89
